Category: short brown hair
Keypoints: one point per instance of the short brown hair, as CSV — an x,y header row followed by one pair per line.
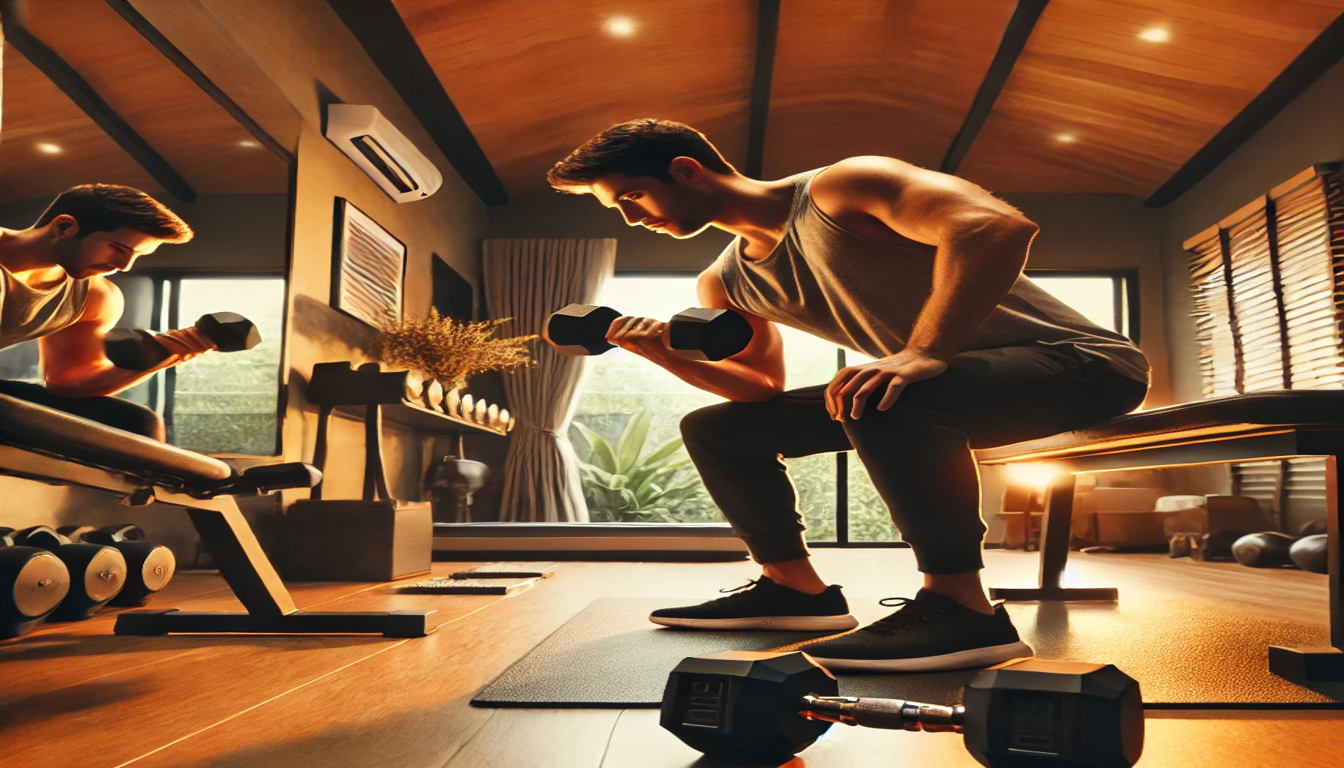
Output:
x,y
106,207
644,147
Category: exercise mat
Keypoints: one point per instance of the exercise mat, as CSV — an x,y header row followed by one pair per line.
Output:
x,y
1184,653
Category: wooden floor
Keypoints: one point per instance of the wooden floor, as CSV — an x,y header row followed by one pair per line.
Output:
x,y
75,695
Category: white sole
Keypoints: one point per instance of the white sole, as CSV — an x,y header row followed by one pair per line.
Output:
x,y
797,623
975,657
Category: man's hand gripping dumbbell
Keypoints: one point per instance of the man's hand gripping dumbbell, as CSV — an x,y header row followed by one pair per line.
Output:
x,y
139,350
696,333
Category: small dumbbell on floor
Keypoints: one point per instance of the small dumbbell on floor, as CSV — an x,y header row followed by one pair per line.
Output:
x,y
767,707
134,349
33,582
1272,549
149,567
696,333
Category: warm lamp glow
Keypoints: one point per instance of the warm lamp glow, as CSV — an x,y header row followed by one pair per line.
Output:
x,y
1037,475
620,26
47,148
1066,138
1155,35
249,143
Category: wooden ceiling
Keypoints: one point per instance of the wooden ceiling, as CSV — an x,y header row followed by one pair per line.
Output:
x,y
194,136
1088,106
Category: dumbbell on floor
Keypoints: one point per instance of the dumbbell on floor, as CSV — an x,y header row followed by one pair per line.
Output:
x,y
767,707
97,572
134,349
696,333
33,582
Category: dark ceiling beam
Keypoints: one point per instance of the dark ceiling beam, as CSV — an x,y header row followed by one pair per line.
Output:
x,y
767,37
1015,37
393,49
180,60
1323,53
74,86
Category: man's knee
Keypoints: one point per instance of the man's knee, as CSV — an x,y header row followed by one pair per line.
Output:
x,y
704,424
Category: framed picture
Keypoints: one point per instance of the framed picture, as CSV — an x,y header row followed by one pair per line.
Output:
x,y
370,267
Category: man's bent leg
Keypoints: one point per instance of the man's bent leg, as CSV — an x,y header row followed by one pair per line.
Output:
x,y
112,411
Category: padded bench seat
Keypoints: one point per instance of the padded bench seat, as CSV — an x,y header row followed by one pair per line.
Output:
x,y
1251,427
1206,419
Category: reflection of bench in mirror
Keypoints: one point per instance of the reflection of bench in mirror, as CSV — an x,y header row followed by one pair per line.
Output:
x,y
53,447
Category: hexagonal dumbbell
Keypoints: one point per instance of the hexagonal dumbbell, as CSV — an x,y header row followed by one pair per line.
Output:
x,y
766,707
695,333
138,350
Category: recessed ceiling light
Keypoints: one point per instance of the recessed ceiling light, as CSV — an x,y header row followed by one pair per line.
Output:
x,y
249,143
620,26
47,148
1155,35
1066,138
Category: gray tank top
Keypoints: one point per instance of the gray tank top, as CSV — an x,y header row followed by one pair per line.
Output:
x,y
865,294
28,313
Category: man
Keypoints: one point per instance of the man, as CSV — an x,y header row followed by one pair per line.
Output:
x,y
920,270
54,288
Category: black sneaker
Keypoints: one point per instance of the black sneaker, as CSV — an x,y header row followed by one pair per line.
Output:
x,y
929,633
763,604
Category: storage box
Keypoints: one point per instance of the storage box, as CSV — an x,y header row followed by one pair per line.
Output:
x,y
1210,514
351,540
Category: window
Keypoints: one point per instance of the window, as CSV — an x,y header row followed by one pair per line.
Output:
x,y
217,403
630,409
1267,290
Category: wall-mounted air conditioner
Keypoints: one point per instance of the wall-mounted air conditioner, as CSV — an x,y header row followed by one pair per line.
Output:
x,y
377,147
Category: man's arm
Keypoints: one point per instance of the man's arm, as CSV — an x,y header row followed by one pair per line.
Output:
x,y
73,362
756,373
982,241
982,245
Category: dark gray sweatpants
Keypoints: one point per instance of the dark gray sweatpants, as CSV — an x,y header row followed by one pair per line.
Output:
x,y
918,453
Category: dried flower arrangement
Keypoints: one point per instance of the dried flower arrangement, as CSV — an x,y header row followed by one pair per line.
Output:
x,y
450,350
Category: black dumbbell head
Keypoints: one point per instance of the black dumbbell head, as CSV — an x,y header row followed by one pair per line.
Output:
x,y
1270,549
743,705
40,536
7,537
230,331
149,568
580,329
33,582
709,334
97,574
1066,714
75,533
111,534
133,349
1311,553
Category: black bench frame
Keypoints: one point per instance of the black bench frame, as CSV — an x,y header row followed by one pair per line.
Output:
x,y
1205,445
233,545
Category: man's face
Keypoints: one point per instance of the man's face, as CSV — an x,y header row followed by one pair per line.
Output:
x,y
97,253
678,209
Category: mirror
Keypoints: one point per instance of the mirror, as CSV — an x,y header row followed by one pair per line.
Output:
x,y
99,101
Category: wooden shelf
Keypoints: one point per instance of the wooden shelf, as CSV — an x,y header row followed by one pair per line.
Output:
x,y
418,417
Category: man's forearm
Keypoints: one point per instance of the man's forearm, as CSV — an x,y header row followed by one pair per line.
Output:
x,y
726,378
100,381
974,268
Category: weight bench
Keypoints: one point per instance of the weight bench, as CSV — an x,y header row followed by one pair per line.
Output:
x,y
53,447
1252,427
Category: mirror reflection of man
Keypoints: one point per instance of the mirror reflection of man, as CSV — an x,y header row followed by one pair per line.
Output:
x,y
921,271
54,288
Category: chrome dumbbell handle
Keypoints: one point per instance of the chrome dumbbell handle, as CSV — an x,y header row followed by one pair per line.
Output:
x,y
891,714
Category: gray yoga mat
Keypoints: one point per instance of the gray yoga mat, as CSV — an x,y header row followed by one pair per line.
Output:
x,y
1185,655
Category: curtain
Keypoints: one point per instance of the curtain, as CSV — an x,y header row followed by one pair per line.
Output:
x,y
527,280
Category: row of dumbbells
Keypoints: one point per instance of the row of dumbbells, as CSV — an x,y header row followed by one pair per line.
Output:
x,y
68,573
1269,549
429,393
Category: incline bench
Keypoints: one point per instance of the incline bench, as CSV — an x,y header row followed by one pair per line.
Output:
x,y
1252,427
53,447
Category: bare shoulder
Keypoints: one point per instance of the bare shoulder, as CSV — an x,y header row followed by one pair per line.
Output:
x,y
709,290
105,302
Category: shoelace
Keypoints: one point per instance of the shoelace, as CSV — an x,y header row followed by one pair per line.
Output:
x,y
909,614
736,592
